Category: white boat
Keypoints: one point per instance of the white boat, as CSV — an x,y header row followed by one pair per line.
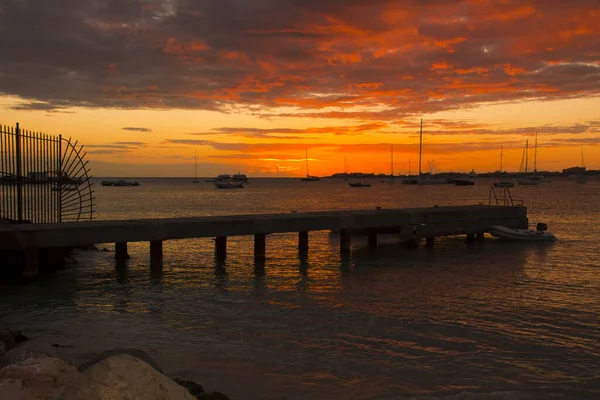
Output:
x,y
503,184
539,234
229,185
422,179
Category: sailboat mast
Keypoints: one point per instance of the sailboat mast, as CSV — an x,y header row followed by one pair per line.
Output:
x,y
195,166
306,159
409,167
535,155
420,146
582,163
501,155
526,155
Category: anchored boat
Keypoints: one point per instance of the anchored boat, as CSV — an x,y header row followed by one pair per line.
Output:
x,y
540,233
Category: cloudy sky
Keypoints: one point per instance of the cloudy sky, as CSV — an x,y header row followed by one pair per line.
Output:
x,y
249,85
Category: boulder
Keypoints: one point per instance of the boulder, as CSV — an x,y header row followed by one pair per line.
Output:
x,y
11,338
124,377
137,353
41,378
32,349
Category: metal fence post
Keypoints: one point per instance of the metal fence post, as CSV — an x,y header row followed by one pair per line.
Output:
x,y
19,174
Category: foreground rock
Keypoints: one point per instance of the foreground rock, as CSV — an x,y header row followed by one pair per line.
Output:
x,y
42,378
11,338
124,377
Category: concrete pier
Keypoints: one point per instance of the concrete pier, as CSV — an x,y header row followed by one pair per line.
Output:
x,y
408,224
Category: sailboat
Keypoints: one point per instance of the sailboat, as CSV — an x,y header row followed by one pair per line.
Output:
x,y
503,184
422,179
528,181
195,170
308,177
391,179
581,178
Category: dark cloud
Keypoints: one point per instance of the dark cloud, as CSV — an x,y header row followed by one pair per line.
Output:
x,y
414,57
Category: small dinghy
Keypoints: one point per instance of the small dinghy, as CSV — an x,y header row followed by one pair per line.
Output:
x,y
539,234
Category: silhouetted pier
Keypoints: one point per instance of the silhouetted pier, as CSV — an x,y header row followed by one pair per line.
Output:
x,y
408,224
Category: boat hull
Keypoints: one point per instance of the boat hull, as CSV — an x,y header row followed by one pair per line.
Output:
x,y
229,185
359,184
504,184
521,234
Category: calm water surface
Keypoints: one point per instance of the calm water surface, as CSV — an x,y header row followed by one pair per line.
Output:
x,y
383,324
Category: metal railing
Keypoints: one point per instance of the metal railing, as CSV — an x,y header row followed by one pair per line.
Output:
x,y
505,200
43,178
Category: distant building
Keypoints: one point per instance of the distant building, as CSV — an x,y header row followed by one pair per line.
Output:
x,y
573,171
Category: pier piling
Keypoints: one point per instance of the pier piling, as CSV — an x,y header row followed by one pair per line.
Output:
x,y
372,239
345,240
156,252
470,237
480,236
221,247
121,251
303,241
260,246
430,241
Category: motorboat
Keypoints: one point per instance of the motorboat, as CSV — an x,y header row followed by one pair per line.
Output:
x,y
359,184
540,233
504,184
229,185
220,178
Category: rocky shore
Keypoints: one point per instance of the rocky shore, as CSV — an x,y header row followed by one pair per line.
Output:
x,y
33,370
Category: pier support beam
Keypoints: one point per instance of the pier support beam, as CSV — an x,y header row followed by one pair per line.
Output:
x,y
221,247
156,252
303,241
372,240
430,241
30,268
121,251
345,241
470,237
260,246
480,236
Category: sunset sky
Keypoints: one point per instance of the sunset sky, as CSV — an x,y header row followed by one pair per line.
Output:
x,y
248,85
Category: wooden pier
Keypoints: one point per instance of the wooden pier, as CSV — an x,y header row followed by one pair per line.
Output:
x,y
409,225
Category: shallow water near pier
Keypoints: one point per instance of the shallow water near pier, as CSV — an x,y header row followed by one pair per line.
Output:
x,y
384,323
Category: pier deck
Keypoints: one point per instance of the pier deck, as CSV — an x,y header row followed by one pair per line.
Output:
x,y
409,224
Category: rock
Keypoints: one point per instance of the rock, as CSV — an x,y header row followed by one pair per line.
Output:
x,y
213,396
3,355
41,378
194,388
136,353
7,338
32,348
11,338
11,389
124,377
